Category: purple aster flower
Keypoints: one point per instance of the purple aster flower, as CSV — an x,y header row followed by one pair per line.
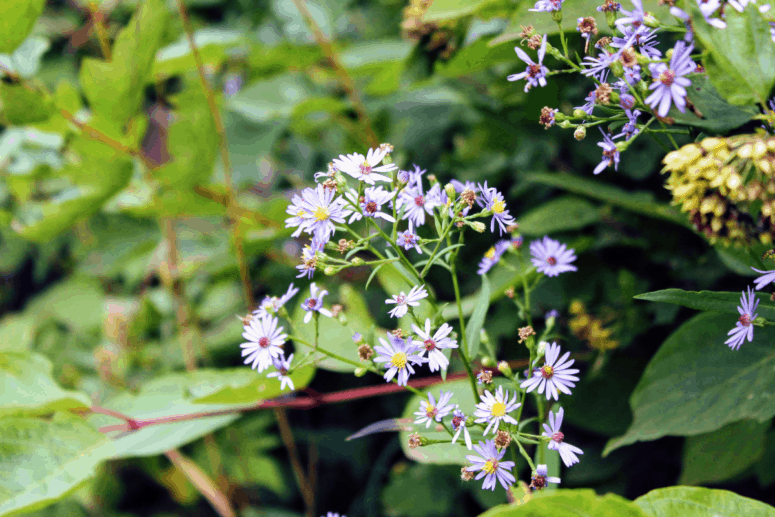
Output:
x,y
493,201
409,239
298,215
332,514
743,328
630,128
272,303
233,85
416,204
610,154
634,17
555,375
434,344
589,105
493,256
767,278
598,67
430,410
265,340
535,74
567,451
709,7
460,186
681,15
494,408
552,314
740,5
309,261
315,303
490,466
364,168
642,37
626,101
459,425
321,211
551,258
329,175
610,7
403,301
632,74
399,355
540,479
669,82
370,203
547,6
282,366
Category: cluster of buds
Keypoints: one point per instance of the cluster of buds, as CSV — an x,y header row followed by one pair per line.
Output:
x,y
437,36
727,186
590,329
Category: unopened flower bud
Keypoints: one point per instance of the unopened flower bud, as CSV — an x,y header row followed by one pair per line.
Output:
x,y
357,338
649,20
484,337
357,261
477,226
432,179
341,182
329,271
342,319
450,190
580,133
336,310
579,113
510,293
504,368
486,361
541,349
557,16
564,124
360,372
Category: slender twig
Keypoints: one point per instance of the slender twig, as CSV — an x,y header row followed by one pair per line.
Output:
x,y
102,34
293,455
203,483
344,77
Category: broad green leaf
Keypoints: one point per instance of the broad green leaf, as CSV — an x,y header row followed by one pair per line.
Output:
x,y
76,303
17,332
684,501
29,389
739,60
724,453
441,453
559,215
451,9
695,384
726,303
333,336
475,57
270,99
17,18
717,114
213,45
243,385
476,321
115,89
741,260
44,460
369,57
639,203
569,503
765,468
21,106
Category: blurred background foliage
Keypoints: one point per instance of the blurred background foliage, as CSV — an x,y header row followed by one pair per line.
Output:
x,y
111,261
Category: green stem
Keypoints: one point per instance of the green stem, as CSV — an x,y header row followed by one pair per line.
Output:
x,y
436,250
525,455
463,340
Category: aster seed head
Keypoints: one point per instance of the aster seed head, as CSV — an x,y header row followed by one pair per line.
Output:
x,y
365,352
603,94
485,376
477,226
465,475
580,133
534,42
415,440
510,293
502,439
526,332
469,196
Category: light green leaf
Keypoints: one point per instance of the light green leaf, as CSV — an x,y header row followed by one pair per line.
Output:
x,y
739,60
741,260
17,332
77,303
17,18
115,89
717,114
243,385
724,453
476,321
451,9
334,336
44,460
213,45
21,106
684,501
270,99
569,503
563,214
695,384
726,303
29,389
639,203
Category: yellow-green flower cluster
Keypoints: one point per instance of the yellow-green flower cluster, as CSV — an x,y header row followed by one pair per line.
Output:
x,y
727,186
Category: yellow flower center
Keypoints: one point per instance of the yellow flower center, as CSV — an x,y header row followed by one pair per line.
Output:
x,y
498,207
398,360
301,213
547,371
322,213
490,253
490,466
498,409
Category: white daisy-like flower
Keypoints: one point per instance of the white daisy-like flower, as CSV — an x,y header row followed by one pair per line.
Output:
x,y
365,168
271,304
567,451
744,326
490,466
434,344
282,366
370,203
540,479
430,410
264,342
552,258
399,355
315,303
555,375
459,425
767,278
494,408
403,301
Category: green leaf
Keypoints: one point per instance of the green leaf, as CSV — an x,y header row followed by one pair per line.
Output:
x,y
569,503
739,60
21,106
475,57
44,460
17,332
695,384
29,388
476,321
451,9
726,303
115,89
76,303
717,115
639,203
724,453
563,214
765,468
213,45
441,453
243,385
270,99
741,260
684,501
334,336
17,18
